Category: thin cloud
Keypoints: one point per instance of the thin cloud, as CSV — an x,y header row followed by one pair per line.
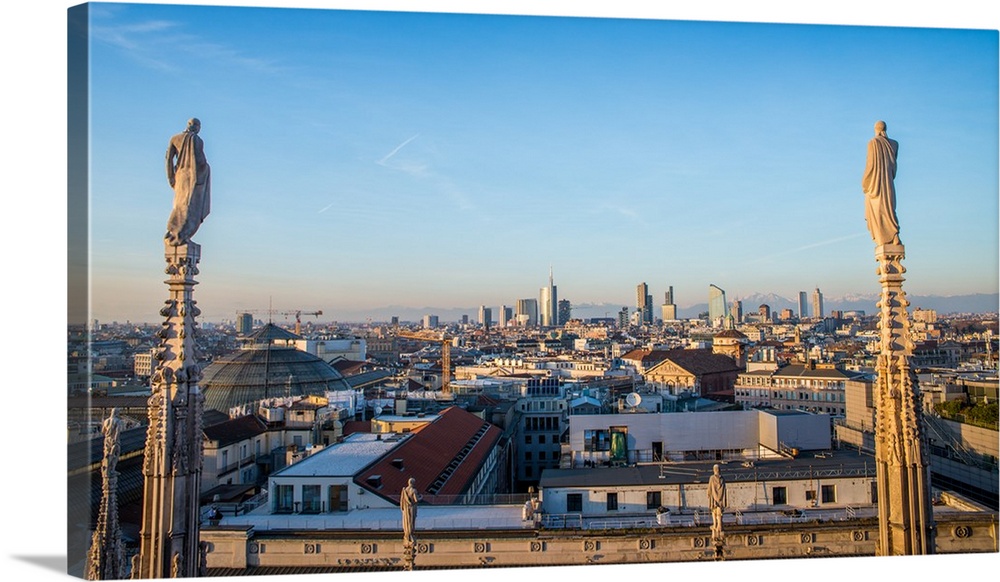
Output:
x,y
147,42
384,160
807,247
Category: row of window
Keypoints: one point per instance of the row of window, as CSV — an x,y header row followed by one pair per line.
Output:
x,y
541,423
654,499
312,500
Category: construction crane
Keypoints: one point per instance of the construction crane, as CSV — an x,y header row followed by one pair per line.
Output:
x,y
445,353
298,318
298,313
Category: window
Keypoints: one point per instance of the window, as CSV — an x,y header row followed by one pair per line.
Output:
x,y
829,493
527,455
338,497
596,440
225,460
779,496
541,455
612,501
297,440
283,497
811,495
541,439
653,499
527,439
311,499
574,502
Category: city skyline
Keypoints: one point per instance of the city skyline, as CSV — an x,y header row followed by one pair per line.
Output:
x,y
38,119
371,162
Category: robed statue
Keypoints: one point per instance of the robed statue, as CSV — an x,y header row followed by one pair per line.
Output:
x,y
189,175
717,501
408,499
880,192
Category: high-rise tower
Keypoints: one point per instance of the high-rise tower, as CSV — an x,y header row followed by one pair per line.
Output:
x,y
644,303
817,304
803,305
548,302
717,308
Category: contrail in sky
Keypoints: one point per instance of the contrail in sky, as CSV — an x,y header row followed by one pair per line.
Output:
x,y
394,151
809,246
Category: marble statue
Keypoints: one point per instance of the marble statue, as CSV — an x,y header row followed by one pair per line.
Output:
x,y
189,175
716,501
408,499
880,192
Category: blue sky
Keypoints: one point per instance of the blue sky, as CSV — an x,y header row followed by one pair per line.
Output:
x,y
363,159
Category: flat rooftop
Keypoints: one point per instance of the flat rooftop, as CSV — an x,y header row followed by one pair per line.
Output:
x,y
344,459
831,463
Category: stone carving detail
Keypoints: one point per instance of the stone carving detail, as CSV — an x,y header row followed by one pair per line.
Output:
x,y
859,536
904,508
645,544
312,548
254,548
480,547
591,546
880,192
537,546
963,531
189,174
106,557
369,548
808,538
753,540
173,451
699,542
424,548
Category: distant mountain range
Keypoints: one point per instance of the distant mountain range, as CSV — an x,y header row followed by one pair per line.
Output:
x,y
976,303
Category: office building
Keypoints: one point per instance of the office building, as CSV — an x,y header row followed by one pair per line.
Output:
x,y
717,307
565,311
803,305
548,302
644,303
244,324
526,312
817,312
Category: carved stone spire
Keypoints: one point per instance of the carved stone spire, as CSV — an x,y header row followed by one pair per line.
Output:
x,y
106,557
906,519
169,536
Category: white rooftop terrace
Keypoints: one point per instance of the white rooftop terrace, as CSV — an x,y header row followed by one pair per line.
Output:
x,y
346,458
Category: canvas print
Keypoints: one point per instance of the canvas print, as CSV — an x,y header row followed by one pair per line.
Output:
x,y
370,291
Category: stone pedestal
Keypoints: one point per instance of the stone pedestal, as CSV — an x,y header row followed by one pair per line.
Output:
x,y
169,533
905,515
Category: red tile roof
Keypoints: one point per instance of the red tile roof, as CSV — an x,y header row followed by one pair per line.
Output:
x,y
443,457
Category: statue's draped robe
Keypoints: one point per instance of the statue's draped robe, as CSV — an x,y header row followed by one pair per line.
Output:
x,y
191,178
716,493
880,192
408,505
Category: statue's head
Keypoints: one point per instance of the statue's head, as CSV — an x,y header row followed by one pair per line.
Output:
x,y
194,125
879,127
412,482
715,468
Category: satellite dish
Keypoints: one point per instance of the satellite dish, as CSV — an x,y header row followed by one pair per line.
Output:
x,y
378,410
633,399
